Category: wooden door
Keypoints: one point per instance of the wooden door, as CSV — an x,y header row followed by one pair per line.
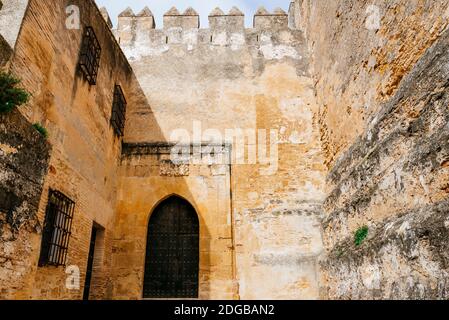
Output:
x,y
172,253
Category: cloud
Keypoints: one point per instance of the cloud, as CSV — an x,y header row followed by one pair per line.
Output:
x,y
203,7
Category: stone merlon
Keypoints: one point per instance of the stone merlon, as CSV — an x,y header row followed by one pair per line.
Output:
x,y
188,20
233,21
130,25
265,20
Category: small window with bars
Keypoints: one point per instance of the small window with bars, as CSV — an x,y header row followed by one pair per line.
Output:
x,y
90,56
57,230
118,117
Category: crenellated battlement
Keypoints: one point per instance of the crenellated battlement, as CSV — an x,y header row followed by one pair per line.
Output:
x,y
265,20
184,28
233,21
190,19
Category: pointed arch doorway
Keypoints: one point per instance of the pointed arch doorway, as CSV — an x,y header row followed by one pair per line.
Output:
x,y
172,253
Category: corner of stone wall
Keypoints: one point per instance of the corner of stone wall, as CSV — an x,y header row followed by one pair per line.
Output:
x,y
5,53
264,20
294,14
11,17
104,12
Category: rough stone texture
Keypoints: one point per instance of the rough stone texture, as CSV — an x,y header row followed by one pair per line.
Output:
x,y
385,128
395,180
228,77
24,159
356,68
406,257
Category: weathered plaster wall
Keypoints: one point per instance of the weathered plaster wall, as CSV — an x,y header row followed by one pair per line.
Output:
x,y
85,152
228,77
384,128
24,158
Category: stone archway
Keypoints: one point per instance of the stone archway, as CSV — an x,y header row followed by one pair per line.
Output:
x,y
172,253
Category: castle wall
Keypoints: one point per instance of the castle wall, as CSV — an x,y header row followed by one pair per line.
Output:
x,y
224,78
85,152
354,90
381,80
24,158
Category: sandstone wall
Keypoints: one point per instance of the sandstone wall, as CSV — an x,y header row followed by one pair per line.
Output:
x,y
382,89
85,152
228,77
149,177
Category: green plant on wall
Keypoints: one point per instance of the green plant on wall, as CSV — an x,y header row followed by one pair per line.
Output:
x,y
41,129
11,96
360,235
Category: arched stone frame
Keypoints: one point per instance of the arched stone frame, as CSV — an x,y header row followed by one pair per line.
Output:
x,y
200,230
146,183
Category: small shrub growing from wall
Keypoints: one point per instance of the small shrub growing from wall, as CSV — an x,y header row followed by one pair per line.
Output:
x,y
11,96
41,129
360,235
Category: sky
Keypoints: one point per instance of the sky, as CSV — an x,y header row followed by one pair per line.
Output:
x,y
203,7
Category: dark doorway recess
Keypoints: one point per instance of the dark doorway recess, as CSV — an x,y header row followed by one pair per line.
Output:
x,y
94,239
172,254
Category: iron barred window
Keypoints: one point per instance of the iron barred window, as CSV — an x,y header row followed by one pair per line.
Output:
x,y
118,111
90,56
57,229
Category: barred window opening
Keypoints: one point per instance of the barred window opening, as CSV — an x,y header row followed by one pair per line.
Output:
x,y
90,56
57,229
118,117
